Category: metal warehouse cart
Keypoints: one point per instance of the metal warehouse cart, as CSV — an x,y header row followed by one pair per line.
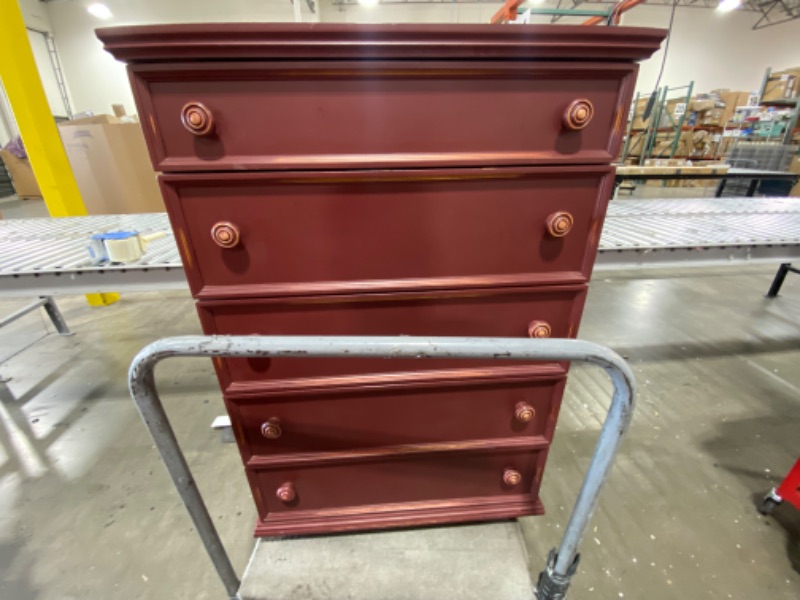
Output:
x,y
561,565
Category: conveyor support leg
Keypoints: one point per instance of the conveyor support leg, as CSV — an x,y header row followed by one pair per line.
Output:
x,y
55,316
777,283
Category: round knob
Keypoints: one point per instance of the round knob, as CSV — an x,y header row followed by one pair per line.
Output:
x,y
559,224
225,235
539,329
286,493
511,477
197,119
578,114
524,412
271,429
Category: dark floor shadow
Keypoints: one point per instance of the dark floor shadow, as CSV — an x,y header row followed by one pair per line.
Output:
x,y
787,517
18,586
6,395
716,349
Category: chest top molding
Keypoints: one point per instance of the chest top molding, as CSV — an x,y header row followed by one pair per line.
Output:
x,y
258,41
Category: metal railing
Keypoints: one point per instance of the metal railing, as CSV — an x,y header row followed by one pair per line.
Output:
x,y
553,581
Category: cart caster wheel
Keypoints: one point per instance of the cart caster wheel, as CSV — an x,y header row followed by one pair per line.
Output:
x,y
768,504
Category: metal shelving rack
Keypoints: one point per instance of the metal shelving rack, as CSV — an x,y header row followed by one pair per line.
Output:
x,y
787,103
767,152
653,127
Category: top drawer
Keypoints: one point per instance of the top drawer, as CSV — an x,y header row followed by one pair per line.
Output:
x,y
376,114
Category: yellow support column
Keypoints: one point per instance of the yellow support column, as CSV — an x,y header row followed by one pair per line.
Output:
x,y
23,86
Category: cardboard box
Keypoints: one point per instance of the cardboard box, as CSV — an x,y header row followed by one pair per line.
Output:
x,y
111,165
672,112
795,168
94,120
638,113
731,100
702,105
664,143
704,102
636,145
667,162
782,85
22,176
712,118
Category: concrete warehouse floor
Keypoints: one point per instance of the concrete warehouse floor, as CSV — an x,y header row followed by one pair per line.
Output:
x,y
87,510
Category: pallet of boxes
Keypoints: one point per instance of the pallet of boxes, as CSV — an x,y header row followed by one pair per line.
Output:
x,y
712,118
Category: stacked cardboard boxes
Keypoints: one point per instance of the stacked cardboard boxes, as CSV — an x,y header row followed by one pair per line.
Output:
x,y
670,114
782,85
717,108
704,128
111,166
638,114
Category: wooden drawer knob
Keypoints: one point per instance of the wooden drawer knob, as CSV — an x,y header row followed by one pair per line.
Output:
x,y
286,493
225,234
578,114
559,224
271,429
511,477
524,412
197,119
539,329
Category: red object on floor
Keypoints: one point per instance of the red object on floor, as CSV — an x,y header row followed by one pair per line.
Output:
x,y
789,490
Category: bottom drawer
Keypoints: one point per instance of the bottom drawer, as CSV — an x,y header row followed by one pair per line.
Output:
x,y
396,490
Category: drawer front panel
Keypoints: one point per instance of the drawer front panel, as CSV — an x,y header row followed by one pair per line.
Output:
x,y
337,232
479,313
322,421
401,479
234,116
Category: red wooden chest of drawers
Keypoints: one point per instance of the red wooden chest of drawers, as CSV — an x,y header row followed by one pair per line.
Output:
x,y
386,180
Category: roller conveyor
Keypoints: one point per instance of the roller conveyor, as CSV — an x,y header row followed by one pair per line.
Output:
x,y
696,232
48,256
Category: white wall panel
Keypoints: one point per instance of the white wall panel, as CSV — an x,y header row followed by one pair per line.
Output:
x,y
715,50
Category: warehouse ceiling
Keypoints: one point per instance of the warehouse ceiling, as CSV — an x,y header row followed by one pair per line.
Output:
x,y
767,12
770,12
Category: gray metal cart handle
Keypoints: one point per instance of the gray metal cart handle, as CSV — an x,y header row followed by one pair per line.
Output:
x,y
561,565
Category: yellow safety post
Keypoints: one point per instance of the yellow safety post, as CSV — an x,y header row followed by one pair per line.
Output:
x,y
24,89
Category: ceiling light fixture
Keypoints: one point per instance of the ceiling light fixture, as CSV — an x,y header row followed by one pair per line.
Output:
x,y
99,10
368,2
729,5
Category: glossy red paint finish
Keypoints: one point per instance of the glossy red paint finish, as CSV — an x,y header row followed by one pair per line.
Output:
x,y
386,180
789,489
308,231
328,421
381,114
398,478
327,41
504,312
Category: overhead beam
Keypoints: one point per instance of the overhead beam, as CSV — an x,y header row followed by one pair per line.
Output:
x,y
507,13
